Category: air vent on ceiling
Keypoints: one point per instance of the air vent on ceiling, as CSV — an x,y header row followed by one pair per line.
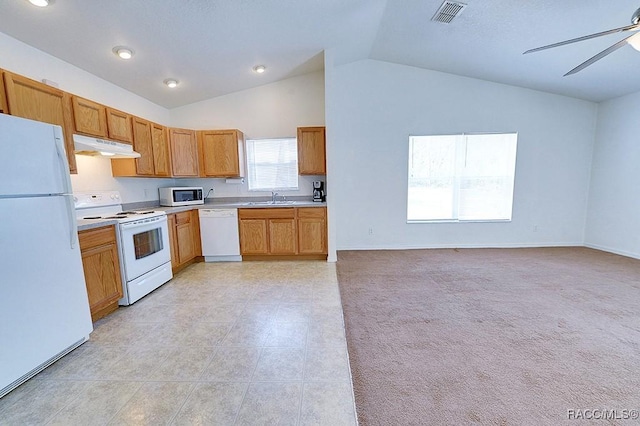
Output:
x,y
448,11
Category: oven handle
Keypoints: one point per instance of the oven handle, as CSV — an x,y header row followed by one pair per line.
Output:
x,y
143,222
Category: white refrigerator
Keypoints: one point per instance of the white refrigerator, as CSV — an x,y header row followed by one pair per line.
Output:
x,y
44,309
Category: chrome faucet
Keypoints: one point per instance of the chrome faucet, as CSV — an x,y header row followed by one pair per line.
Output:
x,y
273,197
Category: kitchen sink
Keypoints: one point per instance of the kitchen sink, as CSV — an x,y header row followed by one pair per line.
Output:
x,y
269,203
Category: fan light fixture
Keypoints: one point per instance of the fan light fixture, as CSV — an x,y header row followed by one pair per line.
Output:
x,y
635,42
171,82
123,52
39,3
259,69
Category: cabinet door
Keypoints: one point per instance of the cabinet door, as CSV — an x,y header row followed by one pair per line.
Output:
x,y
253,236
142,143
3,96
312,230
311,151
184,237
119,126
161,163
89,117
101,270
31,99
195,228
282,236
222,153
184,152
186,250
173,240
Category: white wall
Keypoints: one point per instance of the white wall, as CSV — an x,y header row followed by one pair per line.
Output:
x,y
93,173
373,107
269,111
613,218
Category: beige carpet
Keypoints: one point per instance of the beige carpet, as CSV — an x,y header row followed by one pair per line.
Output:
x,y
492,336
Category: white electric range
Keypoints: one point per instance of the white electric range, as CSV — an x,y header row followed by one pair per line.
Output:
x,y
143,241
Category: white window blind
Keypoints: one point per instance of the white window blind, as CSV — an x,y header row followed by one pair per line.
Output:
x,y
466,177
272,164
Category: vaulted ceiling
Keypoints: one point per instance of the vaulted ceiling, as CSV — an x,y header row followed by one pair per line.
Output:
x,y
211,46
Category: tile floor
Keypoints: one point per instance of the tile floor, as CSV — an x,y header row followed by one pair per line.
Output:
x,y
251,343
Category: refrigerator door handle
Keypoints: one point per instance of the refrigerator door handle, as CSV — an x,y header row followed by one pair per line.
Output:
x,y
73,224
62,157
66,179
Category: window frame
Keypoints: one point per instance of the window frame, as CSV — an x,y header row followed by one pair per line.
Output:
x,y
457,177
251,165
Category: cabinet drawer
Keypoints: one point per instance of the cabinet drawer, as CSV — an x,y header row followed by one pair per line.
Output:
x,y
314,212
270,213
97,237
183,217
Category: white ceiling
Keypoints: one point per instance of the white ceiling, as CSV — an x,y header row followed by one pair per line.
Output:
x,y
212,45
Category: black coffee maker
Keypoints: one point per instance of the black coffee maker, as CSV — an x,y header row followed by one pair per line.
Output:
x,y
318,191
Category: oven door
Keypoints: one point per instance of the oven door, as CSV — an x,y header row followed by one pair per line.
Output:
x,y
145,245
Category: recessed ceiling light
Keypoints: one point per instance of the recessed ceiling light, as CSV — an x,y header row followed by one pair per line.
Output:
x,y
171,82
39,3
123,52
259,69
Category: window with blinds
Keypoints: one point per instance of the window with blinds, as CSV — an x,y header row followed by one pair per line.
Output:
x,y
468,177
272,164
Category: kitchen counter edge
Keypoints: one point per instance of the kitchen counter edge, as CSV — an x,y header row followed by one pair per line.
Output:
x,y
84,225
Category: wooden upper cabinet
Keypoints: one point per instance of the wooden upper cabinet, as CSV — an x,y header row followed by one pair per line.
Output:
x,y
31,99
150,141
311,151
142,144
119,126
3,96
160,143
184,152
90,118
222,153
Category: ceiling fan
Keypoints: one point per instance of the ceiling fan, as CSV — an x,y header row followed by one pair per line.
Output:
x,y
633,40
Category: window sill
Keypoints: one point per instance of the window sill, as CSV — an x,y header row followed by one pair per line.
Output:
x,y
461,221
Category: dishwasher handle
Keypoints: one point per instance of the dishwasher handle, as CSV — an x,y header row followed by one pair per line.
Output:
x,y
205,213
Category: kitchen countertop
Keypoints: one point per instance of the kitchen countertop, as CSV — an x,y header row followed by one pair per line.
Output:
x,y
84,224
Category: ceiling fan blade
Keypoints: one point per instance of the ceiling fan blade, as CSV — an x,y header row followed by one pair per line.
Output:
x,y
600,55
633,27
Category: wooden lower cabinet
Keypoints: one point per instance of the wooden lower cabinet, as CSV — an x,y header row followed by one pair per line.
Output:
x,y
312,230
101,270
282,236
184,236
253,236
284,232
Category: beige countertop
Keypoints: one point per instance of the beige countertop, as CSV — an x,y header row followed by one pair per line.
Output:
x,y
84,224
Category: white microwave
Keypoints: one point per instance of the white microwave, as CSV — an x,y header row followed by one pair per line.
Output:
x,y
181,196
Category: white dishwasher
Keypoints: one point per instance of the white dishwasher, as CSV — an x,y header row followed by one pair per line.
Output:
x,y
219,235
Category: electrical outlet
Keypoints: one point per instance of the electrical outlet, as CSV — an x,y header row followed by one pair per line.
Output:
x,y
371,230
535,228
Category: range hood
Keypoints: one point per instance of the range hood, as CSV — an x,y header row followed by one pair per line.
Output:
x,y
87,145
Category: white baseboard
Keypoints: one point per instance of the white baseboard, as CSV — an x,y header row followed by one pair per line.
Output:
x,y
614,251
446,246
